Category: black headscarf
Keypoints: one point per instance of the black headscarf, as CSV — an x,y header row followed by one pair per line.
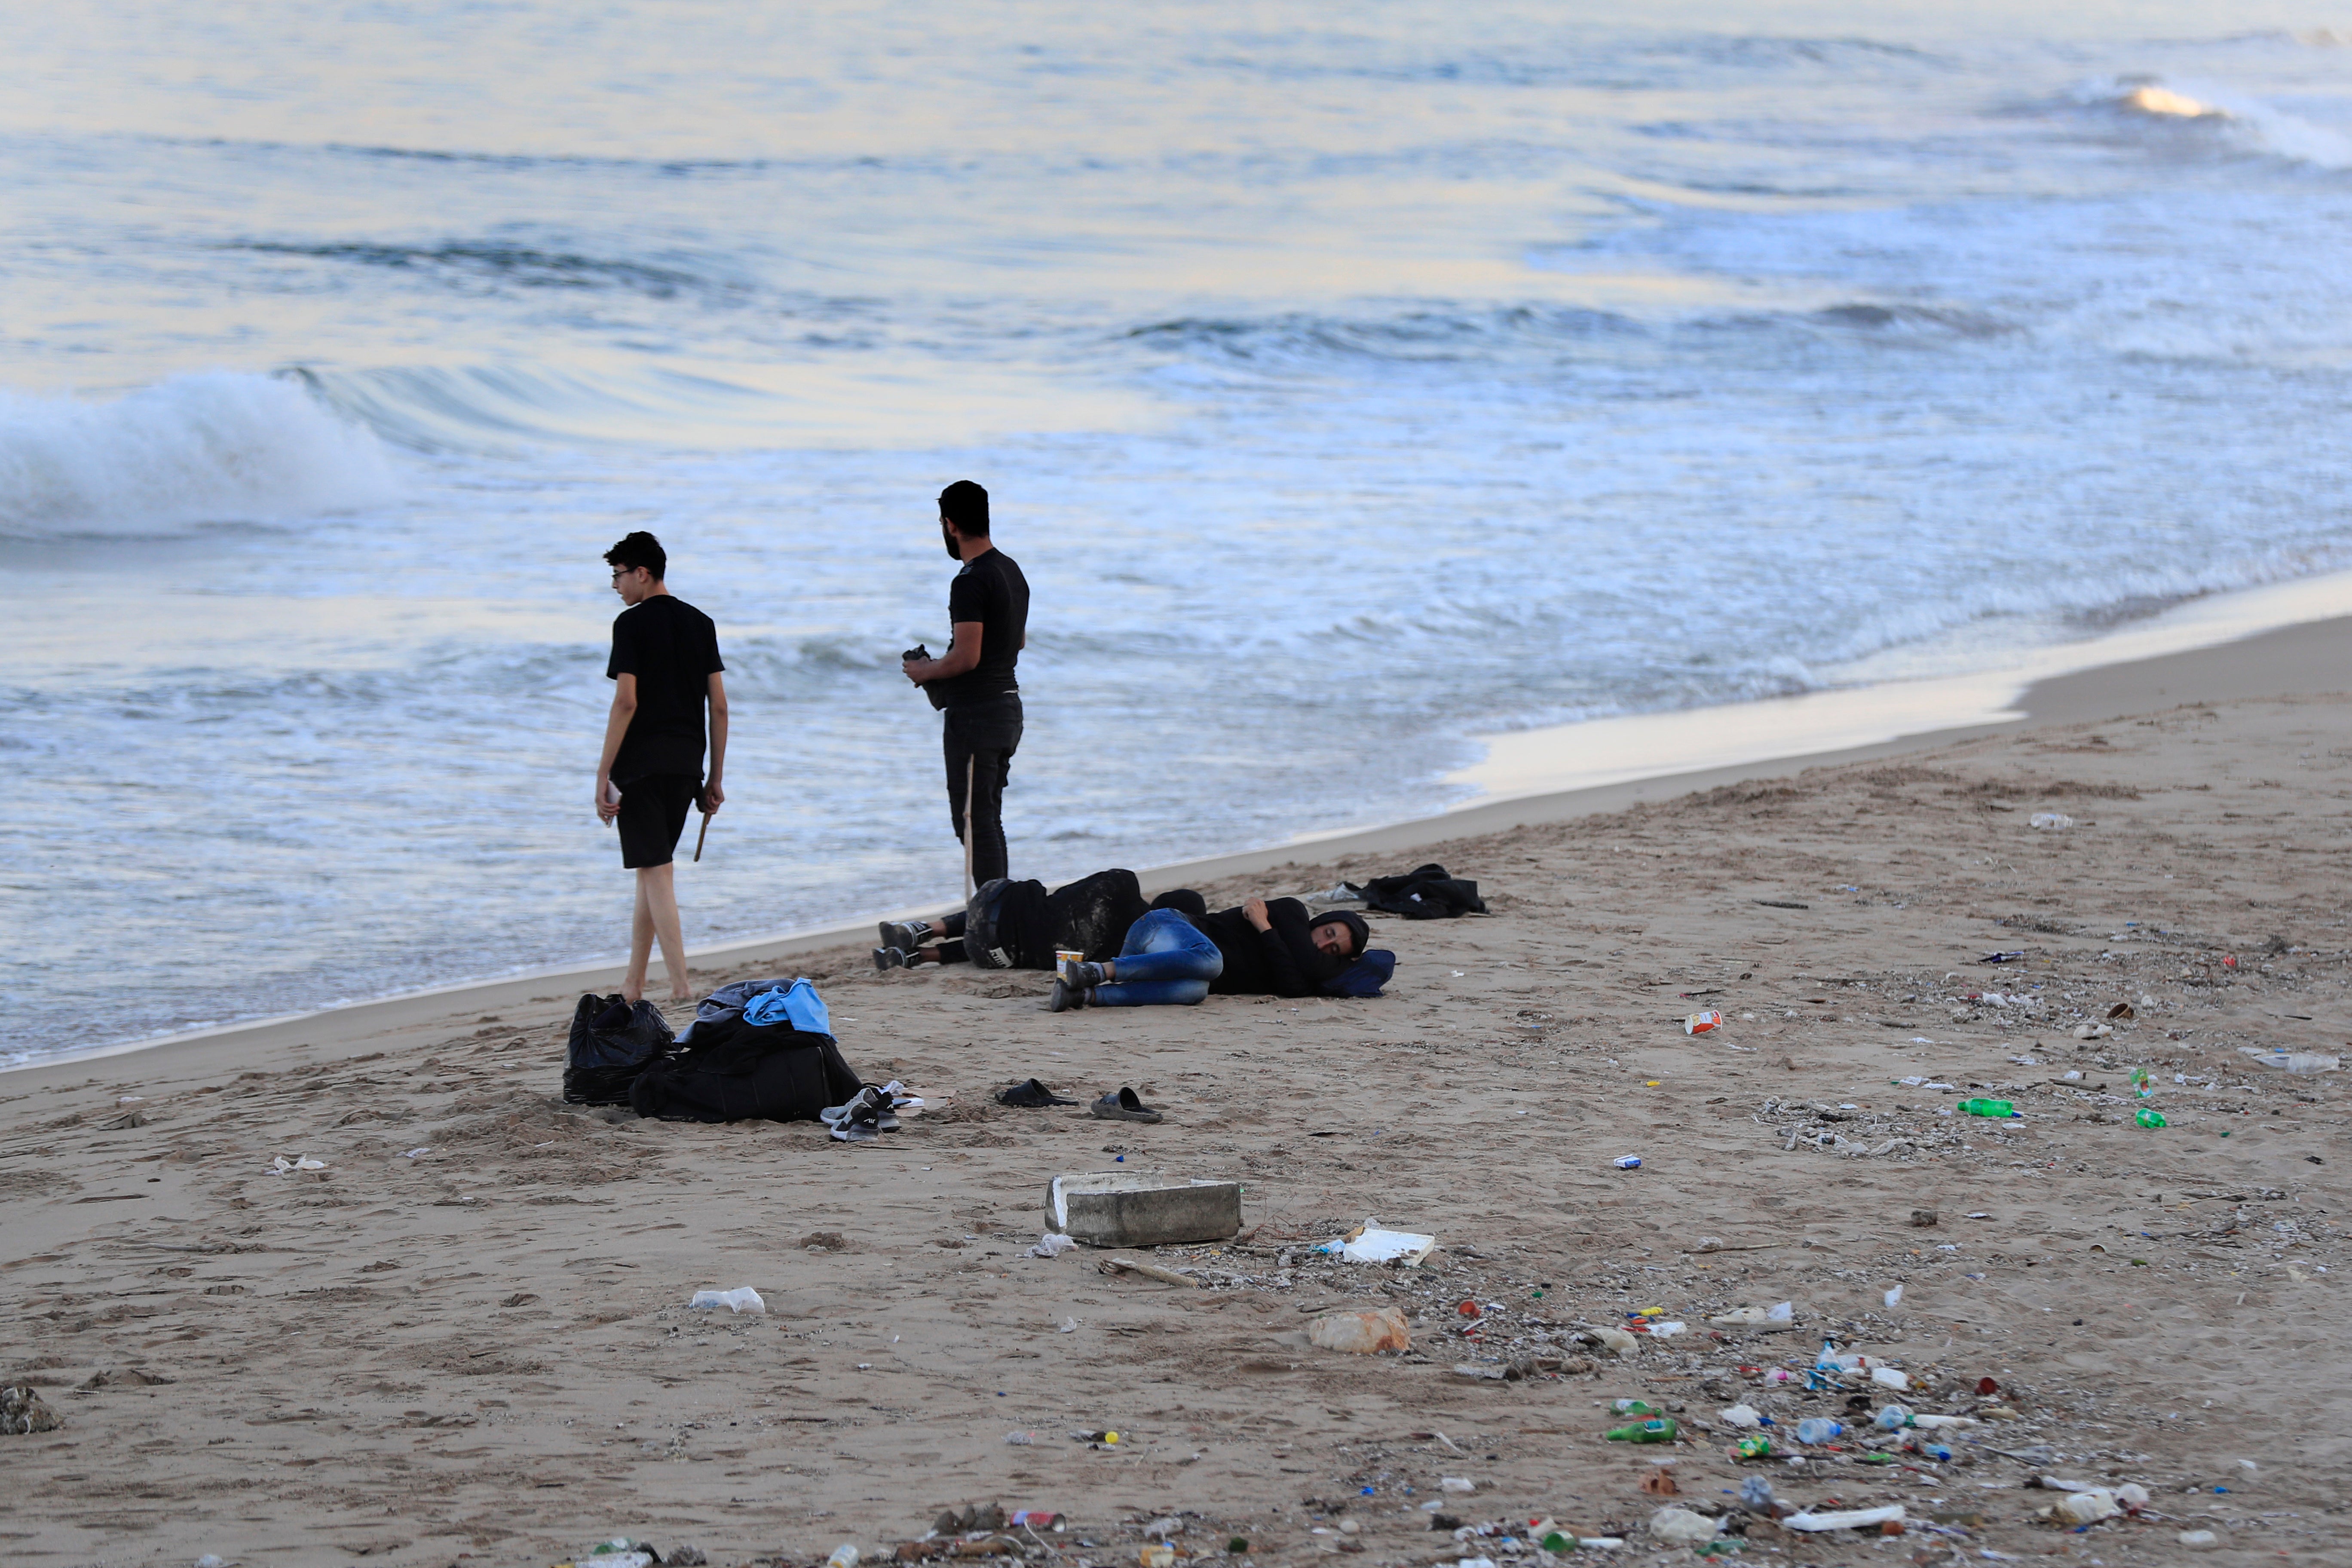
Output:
x,y
1357,930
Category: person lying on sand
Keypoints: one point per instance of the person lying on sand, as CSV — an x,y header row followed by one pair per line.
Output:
x,y
1179,953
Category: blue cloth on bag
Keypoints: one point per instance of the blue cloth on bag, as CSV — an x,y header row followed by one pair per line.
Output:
x,y
797,1005
806,1012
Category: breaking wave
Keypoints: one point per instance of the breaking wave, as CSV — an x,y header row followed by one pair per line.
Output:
x,y
2227,124
218,447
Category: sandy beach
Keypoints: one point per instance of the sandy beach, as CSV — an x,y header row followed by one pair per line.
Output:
x,y
465,1337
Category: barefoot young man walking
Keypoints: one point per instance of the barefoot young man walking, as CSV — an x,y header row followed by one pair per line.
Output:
x,y
664,669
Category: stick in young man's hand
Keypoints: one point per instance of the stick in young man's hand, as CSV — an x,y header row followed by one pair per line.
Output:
x,y
708,800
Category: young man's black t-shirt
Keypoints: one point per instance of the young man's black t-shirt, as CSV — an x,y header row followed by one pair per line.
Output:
x,y
673,650
989,590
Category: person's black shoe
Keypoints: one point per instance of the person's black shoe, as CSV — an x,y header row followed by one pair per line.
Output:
x,y
888,958
1067,997
905,936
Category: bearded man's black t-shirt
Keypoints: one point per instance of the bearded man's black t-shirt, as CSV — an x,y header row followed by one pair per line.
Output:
x,y
989,590
673,650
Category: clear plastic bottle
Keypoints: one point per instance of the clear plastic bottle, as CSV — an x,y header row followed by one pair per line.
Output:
x,y
1818,1429
1893,1418
843,1556
1634,1407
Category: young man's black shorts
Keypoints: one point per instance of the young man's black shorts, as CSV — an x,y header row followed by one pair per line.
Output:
x,y
653,814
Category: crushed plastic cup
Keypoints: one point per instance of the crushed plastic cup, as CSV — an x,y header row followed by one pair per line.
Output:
x,y
1705,1022
281,1164
1457,1484
742,1299
1743,1416
1053,1244
1895,1295
1888,1377
2050,821
1681,1527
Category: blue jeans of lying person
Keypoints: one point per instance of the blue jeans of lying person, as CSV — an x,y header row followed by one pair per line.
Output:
x,y
1165,962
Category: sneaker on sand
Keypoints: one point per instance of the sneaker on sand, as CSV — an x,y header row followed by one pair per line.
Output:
x,y
889,958
860,1126
865,1099
905,936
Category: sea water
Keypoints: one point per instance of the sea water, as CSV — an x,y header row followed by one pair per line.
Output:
x,y
1350,381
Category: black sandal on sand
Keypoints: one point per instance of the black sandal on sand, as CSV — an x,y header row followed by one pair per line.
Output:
x,y
1031,1095
1124,1106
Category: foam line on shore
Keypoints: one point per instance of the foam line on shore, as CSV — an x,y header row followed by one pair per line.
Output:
x,y
1565,757
2217,650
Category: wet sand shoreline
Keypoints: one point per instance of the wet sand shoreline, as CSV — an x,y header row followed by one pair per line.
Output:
x,y
2291,661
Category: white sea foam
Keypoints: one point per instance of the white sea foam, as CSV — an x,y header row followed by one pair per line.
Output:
x,y
2238,123
210,448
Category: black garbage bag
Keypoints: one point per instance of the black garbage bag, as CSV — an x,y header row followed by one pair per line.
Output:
x,y
735,1071
1425,893
612,1041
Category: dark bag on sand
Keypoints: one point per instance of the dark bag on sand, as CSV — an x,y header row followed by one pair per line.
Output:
x,y
1373,968
1005,925
1019,925
1425,893
612,1041
735,1071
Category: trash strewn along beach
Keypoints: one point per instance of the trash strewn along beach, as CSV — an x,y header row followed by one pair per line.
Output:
x,y
382,1292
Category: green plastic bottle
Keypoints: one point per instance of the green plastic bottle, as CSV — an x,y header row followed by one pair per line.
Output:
x,y
1986,1108
1634,1407
1658,1429
2148,1118
1558,1545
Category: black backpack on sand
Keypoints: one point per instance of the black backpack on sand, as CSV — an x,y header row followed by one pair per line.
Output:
x,y
735,1071
612,1041
1018,925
